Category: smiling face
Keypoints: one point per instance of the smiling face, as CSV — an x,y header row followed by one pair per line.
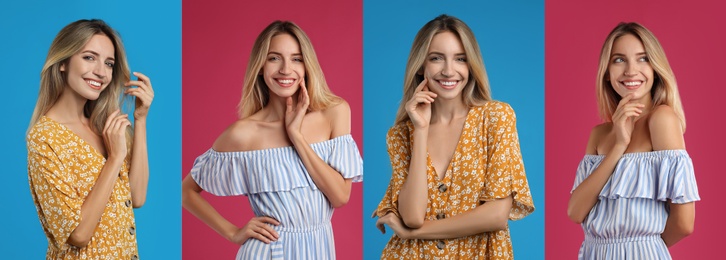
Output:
x,y
90,71
629,68
284,67
446,67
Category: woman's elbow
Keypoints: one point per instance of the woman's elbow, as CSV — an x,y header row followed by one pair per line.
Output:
x,y
412,222
685,229
79,240
340,201
574,216
138,203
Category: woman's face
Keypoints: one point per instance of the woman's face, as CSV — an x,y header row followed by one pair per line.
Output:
x,y
446,67
629,69
89,72
284,67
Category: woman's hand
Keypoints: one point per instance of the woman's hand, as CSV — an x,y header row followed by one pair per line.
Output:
x,y
419,106
396,224
144,95
258,228
114,135
624,119
294,115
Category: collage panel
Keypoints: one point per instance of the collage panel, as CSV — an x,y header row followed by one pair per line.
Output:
x,y
151,39
511,39
218,42
635,211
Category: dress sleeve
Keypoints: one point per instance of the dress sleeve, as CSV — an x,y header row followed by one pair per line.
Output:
x,y
58,201
505,172
220,174
345,158
399,152
682,187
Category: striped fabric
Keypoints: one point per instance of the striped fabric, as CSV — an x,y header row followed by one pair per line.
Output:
x,y
278,185
631,213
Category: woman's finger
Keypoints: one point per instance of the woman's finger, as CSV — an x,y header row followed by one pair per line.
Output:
x,y
269,220
143,78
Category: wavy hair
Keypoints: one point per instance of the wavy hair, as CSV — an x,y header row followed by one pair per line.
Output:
x,y
256,94
70,41
664,90
475,93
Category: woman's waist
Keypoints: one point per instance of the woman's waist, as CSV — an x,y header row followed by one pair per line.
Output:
x,y
592,239
304,228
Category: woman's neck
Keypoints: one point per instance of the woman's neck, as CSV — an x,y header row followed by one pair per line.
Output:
x,y
276,108
68,108
647,101
444,111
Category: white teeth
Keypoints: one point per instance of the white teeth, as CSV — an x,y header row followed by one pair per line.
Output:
x,y
448,83
94,83
632,83
285,81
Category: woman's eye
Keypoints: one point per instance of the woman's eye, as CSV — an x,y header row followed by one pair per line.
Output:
x,y
462,59
618,60
297,59
109,64
644,58
89,58
435,58
273,58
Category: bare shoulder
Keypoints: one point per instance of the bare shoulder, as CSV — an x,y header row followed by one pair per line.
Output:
x,y
597,135
666,131
339,117
236,137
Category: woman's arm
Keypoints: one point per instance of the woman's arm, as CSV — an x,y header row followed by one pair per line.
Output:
x,y
114,135
258,227
488,217
413,197
585,196
666,134
139,168
329,181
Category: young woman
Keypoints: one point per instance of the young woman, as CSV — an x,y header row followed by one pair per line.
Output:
x,y
290,152
458,174
87,168
635,189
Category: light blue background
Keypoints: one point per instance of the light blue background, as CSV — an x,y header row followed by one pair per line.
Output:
x,y
151,33
511,38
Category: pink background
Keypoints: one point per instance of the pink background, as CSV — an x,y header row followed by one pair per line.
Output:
x,y
217,40
694,42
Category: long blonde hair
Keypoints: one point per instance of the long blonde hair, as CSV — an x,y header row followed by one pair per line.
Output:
x,y
475,93
256,94
70,41
665,89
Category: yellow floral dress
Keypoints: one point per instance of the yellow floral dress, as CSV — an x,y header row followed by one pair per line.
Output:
x,y
487,165
62,169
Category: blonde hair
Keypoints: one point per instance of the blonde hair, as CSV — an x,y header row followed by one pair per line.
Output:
x,y
475,93
664,90
256,94
70,41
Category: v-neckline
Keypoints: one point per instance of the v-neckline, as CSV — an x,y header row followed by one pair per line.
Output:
x,y
83,141
429,161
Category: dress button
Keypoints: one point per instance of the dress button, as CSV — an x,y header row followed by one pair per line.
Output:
x,y
128,203
135,257
440,216
440,245
132,230
442,188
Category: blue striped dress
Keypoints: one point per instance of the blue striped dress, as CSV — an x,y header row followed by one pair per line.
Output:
x,y
278,186
631,214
